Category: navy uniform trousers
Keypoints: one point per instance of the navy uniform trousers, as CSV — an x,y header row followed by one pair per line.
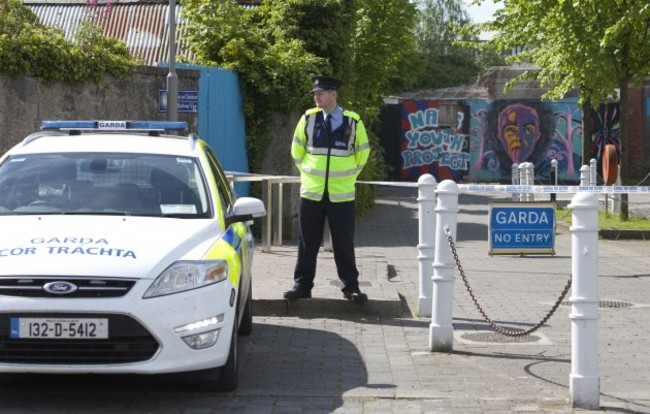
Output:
x,y
311,222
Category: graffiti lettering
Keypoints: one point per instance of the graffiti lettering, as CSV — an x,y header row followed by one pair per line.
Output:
x,y
418,158
422,119
424,139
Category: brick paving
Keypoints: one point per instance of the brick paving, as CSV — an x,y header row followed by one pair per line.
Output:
x,y
350,361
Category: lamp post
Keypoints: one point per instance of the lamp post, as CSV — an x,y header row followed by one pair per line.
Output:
x,y
172,78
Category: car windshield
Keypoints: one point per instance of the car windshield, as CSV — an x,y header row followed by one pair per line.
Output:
x,y
101,183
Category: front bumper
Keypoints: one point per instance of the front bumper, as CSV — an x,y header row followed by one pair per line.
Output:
x,y
143,333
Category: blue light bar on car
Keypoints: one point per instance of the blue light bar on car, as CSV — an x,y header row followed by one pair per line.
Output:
x,y
115,125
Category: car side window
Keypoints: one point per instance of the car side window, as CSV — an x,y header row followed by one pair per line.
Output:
x,y
225,192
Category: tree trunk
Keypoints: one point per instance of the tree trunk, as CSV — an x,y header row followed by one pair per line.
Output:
x,y
624,156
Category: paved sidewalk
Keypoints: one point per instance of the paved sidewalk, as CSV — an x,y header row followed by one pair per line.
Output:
x,y
329,355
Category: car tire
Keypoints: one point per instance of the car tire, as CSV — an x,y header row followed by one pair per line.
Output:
x,y
229,373
225,378
246,325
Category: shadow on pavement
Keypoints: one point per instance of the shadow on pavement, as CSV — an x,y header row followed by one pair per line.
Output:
x,y
308,369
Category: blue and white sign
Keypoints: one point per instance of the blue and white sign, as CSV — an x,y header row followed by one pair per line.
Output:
x,y
188,101
522,227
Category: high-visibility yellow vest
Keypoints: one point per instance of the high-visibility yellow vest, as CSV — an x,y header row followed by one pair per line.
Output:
x,y
336,163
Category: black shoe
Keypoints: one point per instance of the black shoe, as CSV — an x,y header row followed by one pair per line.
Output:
x,y
355,295
297,293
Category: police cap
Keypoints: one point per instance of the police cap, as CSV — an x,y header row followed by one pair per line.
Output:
x,y
325,83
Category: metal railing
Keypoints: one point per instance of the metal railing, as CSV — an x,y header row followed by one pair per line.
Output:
x,y
273,222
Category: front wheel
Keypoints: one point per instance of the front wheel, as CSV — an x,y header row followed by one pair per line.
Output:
x,y
225,378
229,373
246,326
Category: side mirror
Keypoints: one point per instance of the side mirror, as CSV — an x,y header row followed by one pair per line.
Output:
x,y
246,209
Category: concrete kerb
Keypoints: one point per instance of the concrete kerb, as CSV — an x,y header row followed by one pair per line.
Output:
x,y
273,274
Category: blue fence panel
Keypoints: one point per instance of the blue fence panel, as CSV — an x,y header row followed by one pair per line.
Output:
x,y
221,119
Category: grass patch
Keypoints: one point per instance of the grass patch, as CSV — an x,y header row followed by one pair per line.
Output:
x,y
607,220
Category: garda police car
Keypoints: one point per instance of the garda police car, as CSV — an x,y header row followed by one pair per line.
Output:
x,y
123,249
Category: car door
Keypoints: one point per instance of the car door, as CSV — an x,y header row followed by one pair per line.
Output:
x,y
227,197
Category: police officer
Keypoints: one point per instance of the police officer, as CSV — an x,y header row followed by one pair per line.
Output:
x,y
330,148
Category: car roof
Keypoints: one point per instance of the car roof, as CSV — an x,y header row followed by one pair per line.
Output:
x,y
121,136
108,142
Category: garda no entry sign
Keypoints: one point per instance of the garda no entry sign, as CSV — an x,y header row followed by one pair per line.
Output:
x,y
522,228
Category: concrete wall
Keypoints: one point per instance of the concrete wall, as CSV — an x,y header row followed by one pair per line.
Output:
x,y
278,161
25,101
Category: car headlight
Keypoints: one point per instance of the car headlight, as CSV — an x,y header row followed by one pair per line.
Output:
x,y
187,275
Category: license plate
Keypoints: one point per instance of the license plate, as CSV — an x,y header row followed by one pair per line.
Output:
x,y
59,328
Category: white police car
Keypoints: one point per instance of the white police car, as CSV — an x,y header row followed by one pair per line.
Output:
x,y
123,249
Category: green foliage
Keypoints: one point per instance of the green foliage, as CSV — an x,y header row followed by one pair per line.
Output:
x,y
607,220
443,59
13,16
489,57
271,66
448,69
278,47
381,50
28,48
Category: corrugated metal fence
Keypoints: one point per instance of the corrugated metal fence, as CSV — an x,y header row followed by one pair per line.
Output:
x,y
142,27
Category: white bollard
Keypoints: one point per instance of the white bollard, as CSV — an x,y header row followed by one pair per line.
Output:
x,y
593,172
584,381
441,330
584,175
522,179
427,227
530,175
515,179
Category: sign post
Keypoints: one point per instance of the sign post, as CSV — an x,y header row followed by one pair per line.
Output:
x,y
522,228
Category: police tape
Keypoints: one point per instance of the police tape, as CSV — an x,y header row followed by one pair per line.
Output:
x,y
390,183
526,189
552,189
471,188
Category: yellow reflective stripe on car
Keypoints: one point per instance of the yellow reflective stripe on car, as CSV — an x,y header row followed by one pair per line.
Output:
x,y
228,248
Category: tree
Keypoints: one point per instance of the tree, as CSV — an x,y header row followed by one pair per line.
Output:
x,y
381,52
29,48
596,46
442,61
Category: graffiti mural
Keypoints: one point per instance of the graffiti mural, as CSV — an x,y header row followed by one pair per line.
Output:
x,y
490,136
507,132
426,147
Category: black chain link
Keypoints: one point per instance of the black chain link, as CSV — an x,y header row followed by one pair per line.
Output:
x,y
498,328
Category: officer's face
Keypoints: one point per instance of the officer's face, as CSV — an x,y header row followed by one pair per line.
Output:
x,y
325,99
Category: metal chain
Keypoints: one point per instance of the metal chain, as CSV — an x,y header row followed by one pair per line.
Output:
x,y
498,328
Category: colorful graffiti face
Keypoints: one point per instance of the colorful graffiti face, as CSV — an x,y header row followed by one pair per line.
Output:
x,y
519,131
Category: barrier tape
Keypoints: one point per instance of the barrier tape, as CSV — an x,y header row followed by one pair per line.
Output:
x,y
610,189
491,188
548,189
391,183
